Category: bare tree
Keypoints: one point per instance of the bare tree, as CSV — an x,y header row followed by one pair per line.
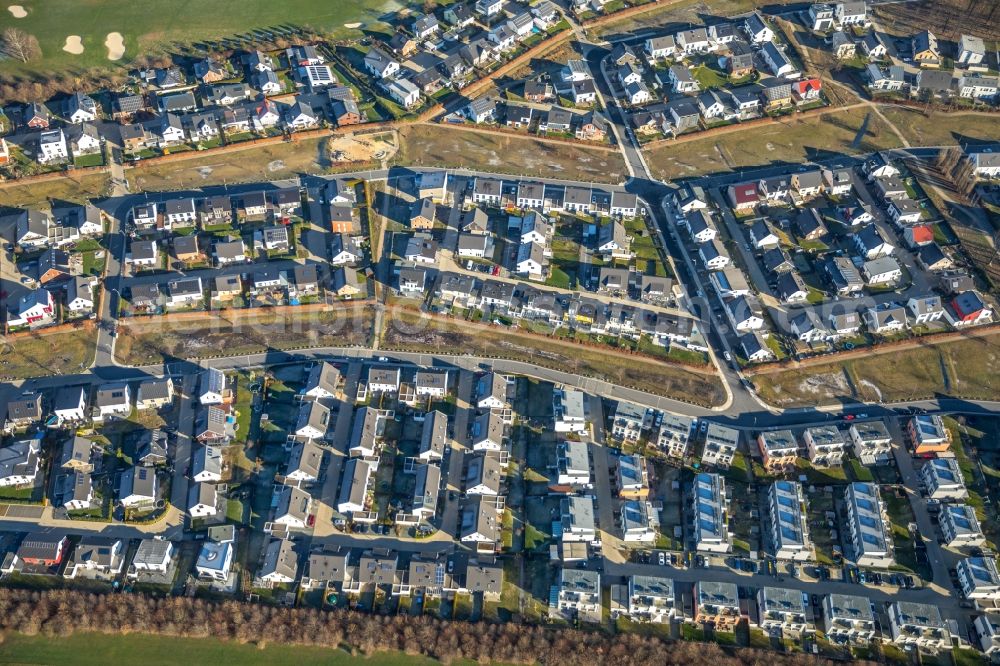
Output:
x,y
19,44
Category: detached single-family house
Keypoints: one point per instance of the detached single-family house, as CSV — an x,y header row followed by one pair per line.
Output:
x,y
113,400
777,62
886,319
924,47
757,29
154,393
971,50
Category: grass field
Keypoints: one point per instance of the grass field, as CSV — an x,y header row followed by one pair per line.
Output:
x,y
76,190
156,27
792,140
940,129
432,145
100,649
409,331
967,368
153,341
56,354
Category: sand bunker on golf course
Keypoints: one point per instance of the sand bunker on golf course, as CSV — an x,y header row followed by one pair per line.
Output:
x,y
17,11
115,44
73,45
352,26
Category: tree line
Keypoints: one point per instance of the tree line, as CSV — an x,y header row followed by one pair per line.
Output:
x,y
65,612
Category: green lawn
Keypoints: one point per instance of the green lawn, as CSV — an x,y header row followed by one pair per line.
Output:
x,y
100,649
708,77
96,159
244,409
147,31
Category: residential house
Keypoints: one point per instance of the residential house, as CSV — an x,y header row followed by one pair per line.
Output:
x,y
720,445
207,466
851,12
825,445
153,556
743,198
744,314
779,450
717,604
281,563
971,50
578,592
202,500
69,405
154,393
711,514
185,292
313,420
230,252
928,435
919,625
651,599
925,309
868,529
880,271
821,16
484,474
886,319
924,47
43,549
354,490
150,447
777,62
870,243
788,520
33,309
960,527
755,348
782,611
304,461
872,442
139,487
848,618
740,61
968,309
293,507
20,463
488,432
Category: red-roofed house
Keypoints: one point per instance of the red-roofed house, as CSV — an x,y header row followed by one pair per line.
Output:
x,y
918,235
807,90
967,309
45,550
744,197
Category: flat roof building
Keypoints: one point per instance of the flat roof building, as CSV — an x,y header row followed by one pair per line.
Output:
x,y
868,530
789,523
710,514
942,479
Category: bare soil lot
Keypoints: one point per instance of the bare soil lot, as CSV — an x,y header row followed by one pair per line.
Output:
x,y
790,141
75,189
257,163
968,369
947,19
943,129
157,339
440,146
42,355
412,331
